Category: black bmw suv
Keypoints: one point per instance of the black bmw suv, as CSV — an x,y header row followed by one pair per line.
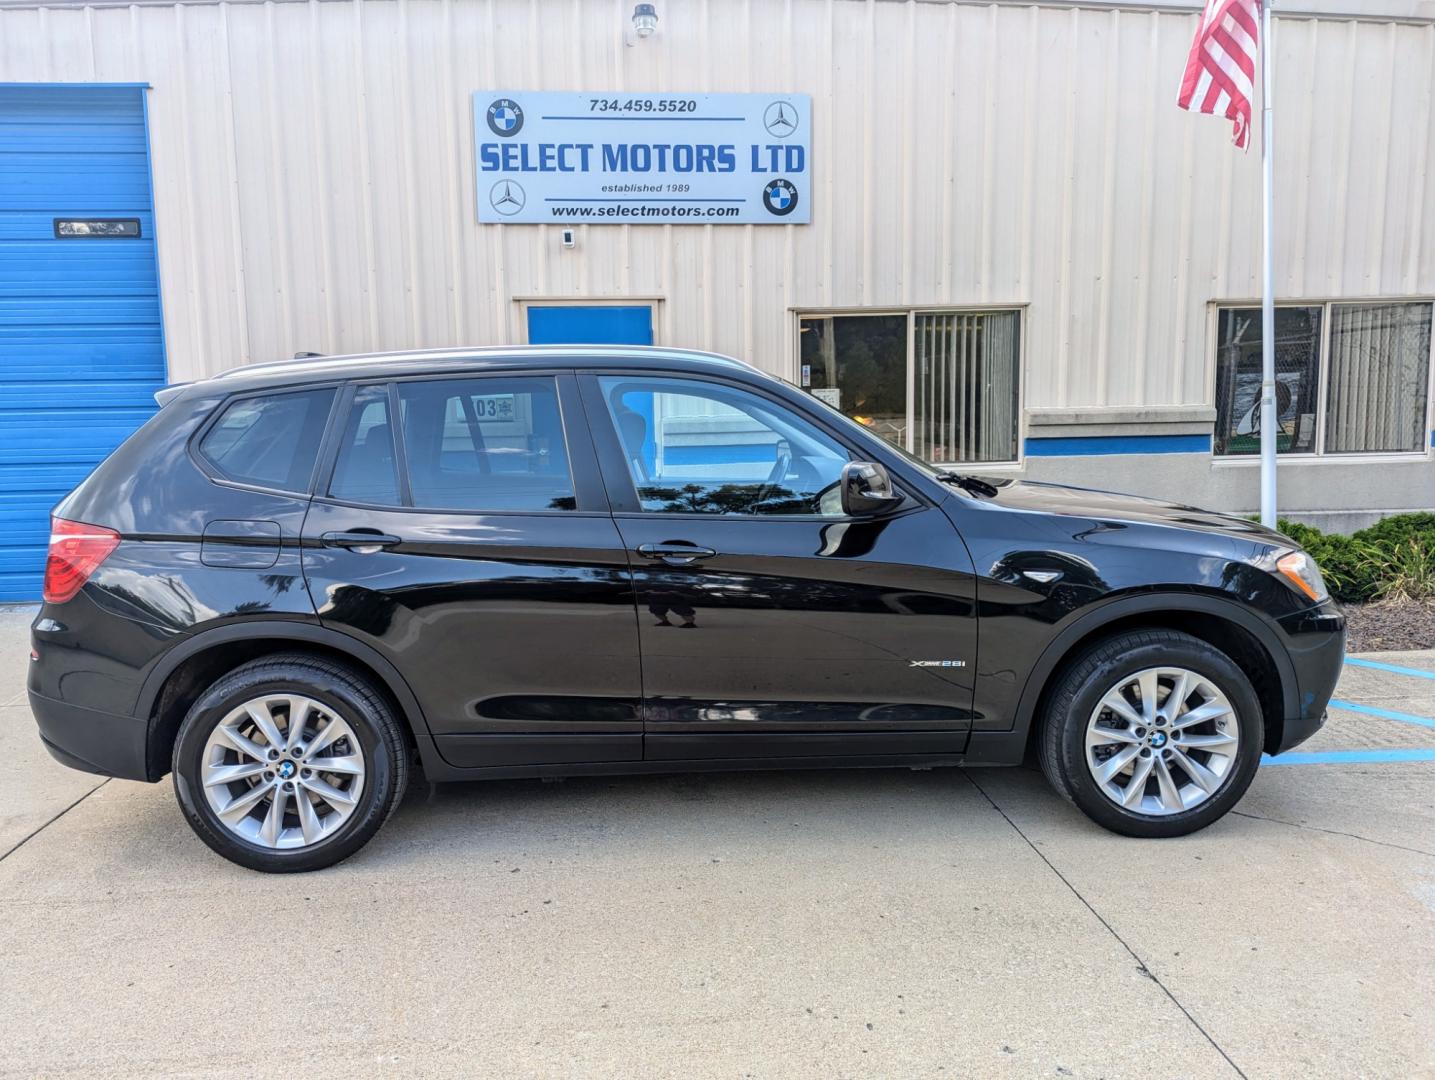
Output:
x,y
298,579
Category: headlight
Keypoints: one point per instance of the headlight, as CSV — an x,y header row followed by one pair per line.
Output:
x,y
1301,573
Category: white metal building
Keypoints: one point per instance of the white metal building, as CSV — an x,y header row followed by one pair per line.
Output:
x,y
1020,252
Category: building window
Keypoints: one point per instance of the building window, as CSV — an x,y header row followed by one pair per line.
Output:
x,y
940,384
1350,378
966,392
1379,377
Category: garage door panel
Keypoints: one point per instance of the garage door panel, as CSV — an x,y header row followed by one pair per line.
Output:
x,y
19,585
42,137
109,182
40,225
24,478
73,359
68,434
79,268
81,345
131,394
52,310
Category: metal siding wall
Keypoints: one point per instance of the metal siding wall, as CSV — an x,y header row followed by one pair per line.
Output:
x,y
314,174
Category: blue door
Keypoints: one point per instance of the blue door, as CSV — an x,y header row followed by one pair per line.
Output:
x,y
81,351
594,324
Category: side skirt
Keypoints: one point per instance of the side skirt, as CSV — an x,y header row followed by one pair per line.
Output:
x,y
436,770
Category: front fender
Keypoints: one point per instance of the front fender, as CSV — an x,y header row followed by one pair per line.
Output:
x,y
1090,620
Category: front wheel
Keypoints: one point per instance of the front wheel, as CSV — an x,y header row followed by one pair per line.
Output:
x,y
1152,733
289,763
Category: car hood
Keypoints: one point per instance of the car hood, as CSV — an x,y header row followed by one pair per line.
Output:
x,y
1090,503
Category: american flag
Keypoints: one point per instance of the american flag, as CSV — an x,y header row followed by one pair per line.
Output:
x,y
1221,70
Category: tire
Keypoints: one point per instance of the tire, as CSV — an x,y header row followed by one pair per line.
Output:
x,y
348,727
1198,768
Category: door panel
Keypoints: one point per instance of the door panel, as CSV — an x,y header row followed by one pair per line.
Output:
x,y
805,627
590,324
770,624
515,629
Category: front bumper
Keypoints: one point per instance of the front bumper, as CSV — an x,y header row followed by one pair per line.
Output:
x,y
109,744
1315,642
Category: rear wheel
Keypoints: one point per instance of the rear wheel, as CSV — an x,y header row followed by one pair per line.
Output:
x,y
1152,733
289,763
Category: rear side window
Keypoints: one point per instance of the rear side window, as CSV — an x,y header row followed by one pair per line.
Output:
x,y
270,441
477,444
486,444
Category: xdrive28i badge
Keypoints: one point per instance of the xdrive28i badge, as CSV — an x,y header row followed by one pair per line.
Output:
x,y
780,197
505,118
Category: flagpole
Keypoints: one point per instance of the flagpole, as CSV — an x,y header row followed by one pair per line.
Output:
x,y
1268,307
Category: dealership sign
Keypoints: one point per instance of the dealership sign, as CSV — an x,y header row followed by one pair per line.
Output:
x,y
643,159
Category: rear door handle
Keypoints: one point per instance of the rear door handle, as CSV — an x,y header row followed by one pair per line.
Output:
x,y
365,543
675,554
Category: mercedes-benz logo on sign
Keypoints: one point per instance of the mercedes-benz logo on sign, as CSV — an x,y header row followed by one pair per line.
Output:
x,y
780,198
780,119
505,118
507,197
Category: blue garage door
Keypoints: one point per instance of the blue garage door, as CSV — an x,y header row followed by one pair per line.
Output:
x,y
81,352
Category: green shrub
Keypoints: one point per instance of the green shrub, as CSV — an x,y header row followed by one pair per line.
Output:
x,y
1393,559
1396,530
1405,571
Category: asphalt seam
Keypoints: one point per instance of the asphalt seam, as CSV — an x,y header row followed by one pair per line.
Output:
x,y
1140,964
1333,832
30,836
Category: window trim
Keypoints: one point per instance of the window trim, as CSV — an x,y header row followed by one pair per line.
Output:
x,y
1318,455
627,504
211,470
583,493
1020,307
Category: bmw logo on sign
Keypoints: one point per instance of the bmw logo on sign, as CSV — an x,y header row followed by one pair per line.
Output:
x,y
505,118
780,197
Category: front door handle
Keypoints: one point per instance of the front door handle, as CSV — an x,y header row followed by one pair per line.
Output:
x,y
675,554
365,543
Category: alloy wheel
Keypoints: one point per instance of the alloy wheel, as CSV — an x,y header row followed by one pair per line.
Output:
x,y
283,771
1162,741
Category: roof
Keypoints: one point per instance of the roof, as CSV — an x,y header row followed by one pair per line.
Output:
x,y
442,361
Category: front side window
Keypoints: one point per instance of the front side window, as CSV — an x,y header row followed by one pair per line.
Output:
x,y
695,447
269,441
1350,378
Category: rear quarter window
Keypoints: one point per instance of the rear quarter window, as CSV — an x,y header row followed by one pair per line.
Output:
x,y
270,441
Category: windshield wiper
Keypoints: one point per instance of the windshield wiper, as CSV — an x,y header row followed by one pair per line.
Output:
x,y
975,484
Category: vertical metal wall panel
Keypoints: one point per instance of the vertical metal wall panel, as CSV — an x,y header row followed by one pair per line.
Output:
x,y
314,176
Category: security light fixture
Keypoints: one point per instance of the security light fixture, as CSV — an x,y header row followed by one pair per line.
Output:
x,y
645,20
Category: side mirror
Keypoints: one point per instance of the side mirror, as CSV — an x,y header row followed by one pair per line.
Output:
x,y
867,489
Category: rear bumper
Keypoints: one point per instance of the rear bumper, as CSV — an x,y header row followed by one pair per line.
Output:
x,y
109,744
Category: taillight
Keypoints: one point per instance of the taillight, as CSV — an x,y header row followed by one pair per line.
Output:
x,y
76,551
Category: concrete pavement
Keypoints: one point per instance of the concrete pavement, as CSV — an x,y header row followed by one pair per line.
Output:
x,y
883,923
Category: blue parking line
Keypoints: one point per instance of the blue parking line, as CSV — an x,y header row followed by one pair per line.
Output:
x,y
1384,714
1348,757
1419,673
